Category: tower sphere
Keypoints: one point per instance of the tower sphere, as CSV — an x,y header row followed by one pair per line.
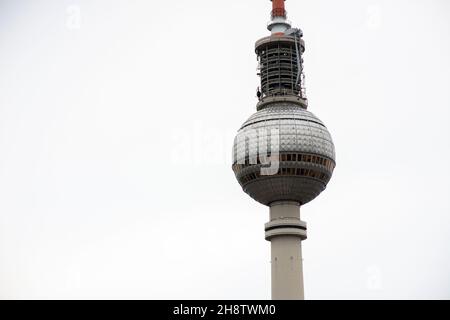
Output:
x,y
305,153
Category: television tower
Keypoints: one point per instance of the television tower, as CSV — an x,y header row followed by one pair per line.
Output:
x,y
283,155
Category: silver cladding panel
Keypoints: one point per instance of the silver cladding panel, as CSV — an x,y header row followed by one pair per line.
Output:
x,y
300,132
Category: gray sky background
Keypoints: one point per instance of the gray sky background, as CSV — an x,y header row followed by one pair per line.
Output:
x,y
116,125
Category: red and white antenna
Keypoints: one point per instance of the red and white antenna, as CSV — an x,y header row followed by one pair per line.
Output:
x,y
278,23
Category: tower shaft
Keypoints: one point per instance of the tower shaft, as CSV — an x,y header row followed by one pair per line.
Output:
x,y
286,231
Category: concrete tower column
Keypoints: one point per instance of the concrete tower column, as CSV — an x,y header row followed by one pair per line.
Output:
x,y
286,231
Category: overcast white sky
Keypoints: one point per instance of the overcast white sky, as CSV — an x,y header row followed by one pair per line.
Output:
x,y
116,125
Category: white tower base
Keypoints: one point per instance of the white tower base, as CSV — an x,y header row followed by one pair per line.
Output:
x,y
286,231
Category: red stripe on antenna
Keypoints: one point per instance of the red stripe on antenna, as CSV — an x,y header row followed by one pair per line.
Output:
x,y
278,9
